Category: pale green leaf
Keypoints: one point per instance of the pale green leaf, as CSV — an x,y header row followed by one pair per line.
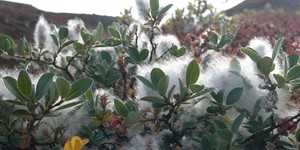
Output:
x,y
43,85
121,108
63,87
79,87
24,83
192,73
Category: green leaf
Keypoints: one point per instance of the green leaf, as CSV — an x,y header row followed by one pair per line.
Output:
x,y
257,106
205,91
219,124
277,47
21,113
213,37
79,87
153,99
170,92
146,82
63,33
298,135
106,56
99,32
55,40
237,122
112,42
285,64
165,9
154,6
196,88
205,144
133,54
143,54
11,85
133,117
192,73
6,44
78,46
234,95
63,87
213,109
280,80
88,95
218,97
264,65
87,37
181,52
293,73
293,59
183,90
113,32
43,85
223,28
68,105
155,75
24,83
225,39
15,102
225,134
51,96
163,84
121,108
159,105
251,53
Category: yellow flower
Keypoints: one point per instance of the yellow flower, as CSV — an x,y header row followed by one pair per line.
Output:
x,y
76,143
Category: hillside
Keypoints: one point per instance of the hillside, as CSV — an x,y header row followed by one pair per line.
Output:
x,y
18,20
287,5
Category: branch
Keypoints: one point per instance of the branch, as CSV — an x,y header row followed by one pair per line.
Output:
x,y
258,134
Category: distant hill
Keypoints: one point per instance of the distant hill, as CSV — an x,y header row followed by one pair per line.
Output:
x,y
287,5
18,20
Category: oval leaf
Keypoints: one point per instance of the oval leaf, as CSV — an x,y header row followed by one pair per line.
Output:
x,y
251,53
15,102
153,99
162,85
155,75
264,65
63,87
21,113
146,82
237,122
234,95
192,73
79,87
11,85
63,33
293,59
113,32
280,80
293,73
225,134
121,108
68,105
205,144
277,48
143,54
24,83
98,33
43,85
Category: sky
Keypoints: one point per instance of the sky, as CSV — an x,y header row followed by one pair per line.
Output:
x,y
111,7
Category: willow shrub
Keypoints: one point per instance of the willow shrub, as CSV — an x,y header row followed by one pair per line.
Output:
x,y
149,101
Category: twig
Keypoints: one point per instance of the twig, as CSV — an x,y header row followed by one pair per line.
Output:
x,y
258,134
